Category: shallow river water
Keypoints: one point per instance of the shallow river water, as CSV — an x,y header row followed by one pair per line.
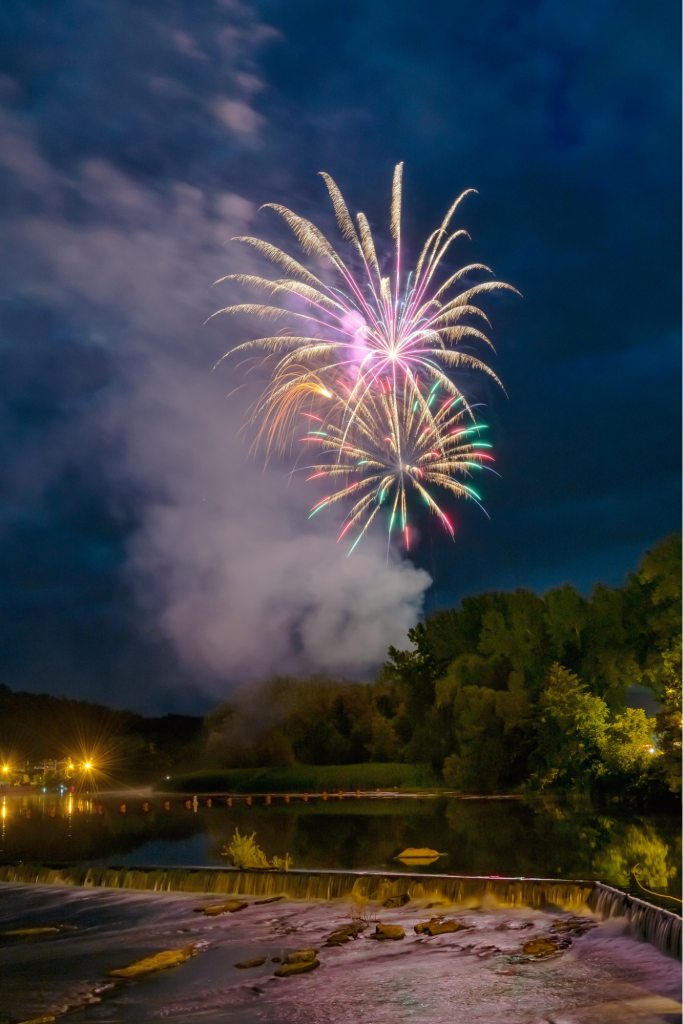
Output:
x,y
478,975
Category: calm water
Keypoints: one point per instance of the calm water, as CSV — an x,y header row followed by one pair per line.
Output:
x,y
489,837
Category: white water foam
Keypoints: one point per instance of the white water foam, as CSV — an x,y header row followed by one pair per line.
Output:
x,y
476,976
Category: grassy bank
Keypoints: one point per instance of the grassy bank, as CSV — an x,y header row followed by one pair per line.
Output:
x,y
305,778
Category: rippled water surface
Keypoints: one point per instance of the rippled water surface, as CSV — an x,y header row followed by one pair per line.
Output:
x,y
479,975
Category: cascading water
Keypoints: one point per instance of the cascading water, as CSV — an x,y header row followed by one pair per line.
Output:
x,y
60,943
659,927
313,885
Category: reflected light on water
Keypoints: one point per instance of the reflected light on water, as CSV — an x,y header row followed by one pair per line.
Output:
x,y
519,838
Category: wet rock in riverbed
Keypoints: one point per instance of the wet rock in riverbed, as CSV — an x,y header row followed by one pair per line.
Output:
x,y
271,899
157,962
541,947
214,909
256,962
353,929
388,931
438,927
574,925
302,956
394,902
287,970
345,933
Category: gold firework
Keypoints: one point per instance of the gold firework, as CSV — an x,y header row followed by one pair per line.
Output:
x,y
362,331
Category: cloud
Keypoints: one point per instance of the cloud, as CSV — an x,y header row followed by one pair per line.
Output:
x,y
223,559
238,116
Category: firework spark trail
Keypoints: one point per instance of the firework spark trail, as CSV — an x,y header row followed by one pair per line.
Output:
x,y
396,446
370,352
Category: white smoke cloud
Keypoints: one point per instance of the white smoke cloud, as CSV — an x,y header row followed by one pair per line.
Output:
x,y
225,561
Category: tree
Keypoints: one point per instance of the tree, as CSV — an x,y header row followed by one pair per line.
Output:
x,y
570,729
669,719
627,745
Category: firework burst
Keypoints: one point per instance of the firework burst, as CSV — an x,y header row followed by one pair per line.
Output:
x,y
365,355
396,445
365,328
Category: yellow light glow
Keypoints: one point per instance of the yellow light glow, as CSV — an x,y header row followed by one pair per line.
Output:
x,y
88,764
5,768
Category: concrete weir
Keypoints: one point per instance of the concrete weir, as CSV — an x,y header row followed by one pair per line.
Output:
x,y
659,927
653,924
312,885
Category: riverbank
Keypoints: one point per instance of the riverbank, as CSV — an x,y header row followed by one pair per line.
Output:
x,y
307,779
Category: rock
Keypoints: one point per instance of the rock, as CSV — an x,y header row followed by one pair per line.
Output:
x,y
256,962
437,927
276,960
229,907
46,1019
388,931
49,929
540,947
271,899
437,903
575,925
302,956
346,932
157,962
287,970
354,928
419,855
393,902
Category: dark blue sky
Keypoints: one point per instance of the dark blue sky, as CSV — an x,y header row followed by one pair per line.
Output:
x,y
144,560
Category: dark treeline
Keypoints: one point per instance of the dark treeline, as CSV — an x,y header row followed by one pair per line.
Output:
x,y
35,727
511,690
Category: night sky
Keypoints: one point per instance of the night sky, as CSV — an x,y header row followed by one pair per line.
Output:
x,y
146,560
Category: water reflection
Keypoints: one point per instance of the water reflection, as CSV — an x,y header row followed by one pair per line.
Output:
x,y
528,838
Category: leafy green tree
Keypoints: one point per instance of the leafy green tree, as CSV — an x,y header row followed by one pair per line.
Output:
x,y
570,730
627,746
517,634
566,617
670,717
490,725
